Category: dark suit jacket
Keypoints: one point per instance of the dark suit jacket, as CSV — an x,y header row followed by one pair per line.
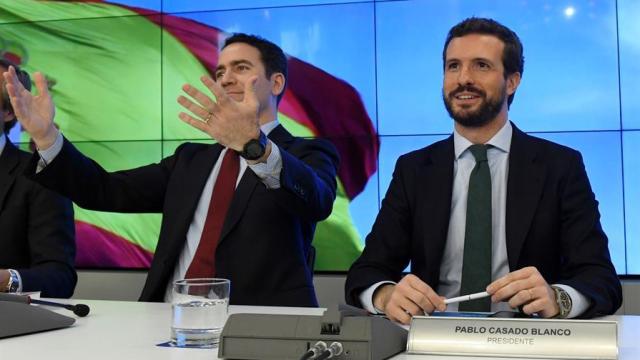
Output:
x,y
552,222
266,237
37,234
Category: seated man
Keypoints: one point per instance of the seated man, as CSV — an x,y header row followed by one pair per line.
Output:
x,y
243,209
37,238
488,209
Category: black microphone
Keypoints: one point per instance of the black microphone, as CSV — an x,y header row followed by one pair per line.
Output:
x,y
80,310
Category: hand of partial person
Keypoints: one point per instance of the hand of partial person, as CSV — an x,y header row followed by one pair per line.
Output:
x,y
411,296
525,288
35,112
232,123
4,279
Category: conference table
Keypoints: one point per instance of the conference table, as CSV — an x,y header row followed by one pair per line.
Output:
x,y
122,330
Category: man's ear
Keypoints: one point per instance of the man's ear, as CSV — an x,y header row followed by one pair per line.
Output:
x,y
277,83
513,81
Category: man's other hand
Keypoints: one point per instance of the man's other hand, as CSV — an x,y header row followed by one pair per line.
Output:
x,y
35,113
411,296
525,289
4,279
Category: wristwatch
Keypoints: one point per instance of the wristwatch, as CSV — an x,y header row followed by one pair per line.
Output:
x,y
255,148
564,302
14,282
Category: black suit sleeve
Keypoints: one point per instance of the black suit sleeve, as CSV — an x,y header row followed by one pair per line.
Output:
x,y
90,186
51,238
586,264
388,246
308,178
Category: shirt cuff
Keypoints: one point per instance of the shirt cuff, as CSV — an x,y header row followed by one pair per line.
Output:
x,y
579,302
366,297
269,171
47,156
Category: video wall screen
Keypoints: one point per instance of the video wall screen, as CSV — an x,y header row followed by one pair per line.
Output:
x,y
366,75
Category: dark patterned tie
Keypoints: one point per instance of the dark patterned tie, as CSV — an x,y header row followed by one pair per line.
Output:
x,y
476,265
203,263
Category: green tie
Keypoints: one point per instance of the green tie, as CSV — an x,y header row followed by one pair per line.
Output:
x,y
476,264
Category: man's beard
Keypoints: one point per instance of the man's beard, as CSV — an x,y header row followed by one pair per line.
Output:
x,y
488,110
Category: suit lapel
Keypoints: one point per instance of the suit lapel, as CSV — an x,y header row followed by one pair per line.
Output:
x,y
192,174
248,183
435,196
524,188
198,173
280,136
8,162
240,201
192,181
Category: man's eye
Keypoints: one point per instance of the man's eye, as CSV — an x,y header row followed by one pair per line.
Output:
x,y
452,66
218,75
483,65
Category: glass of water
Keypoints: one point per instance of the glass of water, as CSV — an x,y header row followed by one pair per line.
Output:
x,y
200,309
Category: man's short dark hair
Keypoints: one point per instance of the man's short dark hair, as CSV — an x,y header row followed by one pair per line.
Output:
x,y
273,58
24,78
512,55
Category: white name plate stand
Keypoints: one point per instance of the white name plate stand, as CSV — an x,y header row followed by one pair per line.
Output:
x,y
502,337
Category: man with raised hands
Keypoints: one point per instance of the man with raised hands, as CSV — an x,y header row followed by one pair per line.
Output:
x,y
244,208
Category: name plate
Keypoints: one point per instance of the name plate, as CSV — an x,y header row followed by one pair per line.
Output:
x,y
537,338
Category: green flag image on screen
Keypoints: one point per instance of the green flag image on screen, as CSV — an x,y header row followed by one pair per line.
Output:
x,y
116,72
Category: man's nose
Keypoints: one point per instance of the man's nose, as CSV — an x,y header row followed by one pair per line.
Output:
x,y
227,79
465,77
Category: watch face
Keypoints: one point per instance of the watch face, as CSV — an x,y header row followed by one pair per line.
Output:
x,y
255,148
12,285
564,302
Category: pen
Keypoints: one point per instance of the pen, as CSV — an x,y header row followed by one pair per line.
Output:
x,y
467,297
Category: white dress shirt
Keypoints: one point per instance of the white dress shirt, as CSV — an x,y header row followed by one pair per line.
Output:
x,y
451,263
